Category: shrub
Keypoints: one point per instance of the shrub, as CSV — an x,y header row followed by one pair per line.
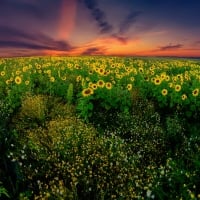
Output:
x,y
67,159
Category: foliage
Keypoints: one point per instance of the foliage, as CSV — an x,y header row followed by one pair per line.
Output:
x,y
99,128
3,191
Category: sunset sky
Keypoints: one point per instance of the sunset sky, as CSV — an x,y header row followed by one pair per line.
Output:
x,y
100,27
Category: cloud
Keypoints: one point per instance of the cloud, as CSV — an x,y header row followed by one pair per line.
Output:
x,y
16,38
120,38
93,51
197,42
128,21
170,47
98,15
20,6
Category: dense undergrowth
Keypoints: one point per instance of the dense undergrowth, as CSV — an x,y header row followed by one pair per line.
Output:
x,y
99,128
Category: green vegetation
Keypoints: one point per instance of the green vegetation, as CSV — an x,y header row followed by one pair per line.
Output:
x,y
99,128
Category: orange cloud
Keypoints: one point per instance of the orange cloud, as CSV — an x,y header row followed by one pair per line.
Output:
x,y
67,19
108,46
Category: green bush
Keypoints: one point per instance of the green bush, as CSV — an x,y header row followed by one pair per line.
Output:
x,y
67,159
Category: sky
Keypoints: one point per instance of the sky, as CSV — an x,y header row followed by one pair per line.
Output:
x,y
100,27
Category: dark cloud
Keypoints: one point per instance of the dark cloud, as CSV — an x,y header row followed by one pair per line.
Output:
x,y
198,42
13,34
15,38
98,15
120,38
93,51
128,21
170,47
20,6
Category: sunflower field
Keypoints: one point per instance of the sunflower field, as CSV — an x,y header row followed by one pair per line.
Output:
x,y
99,128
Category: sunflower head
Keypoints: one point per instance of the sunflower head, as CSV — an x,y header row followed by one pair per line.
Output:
x,y
18,80
129,86
184,97
177,88
3,73
164,92
52,79
94,86
101,83
87,92
195,92
108,85
157,81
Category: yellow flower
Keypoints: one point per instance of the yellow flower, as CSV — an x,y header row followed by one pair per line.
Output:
x,y
163,76
52,79
18,80
87,79
48,72
170,84
8,82
129,86
78,78
195,92
164,92
90,84
27,82
152,72
24,69
157,81
18,72
167,78
94,86
177,88
87,92
63,78
184,97
91,71
101,71
3,73
100,83
132,79
141,70
108,85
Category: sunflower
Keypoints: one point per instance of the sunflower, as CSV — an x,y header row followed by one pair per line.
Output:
x,y
177,88
18,80
164,92
163,76
63,78
8,82
52,79
132,78
129,86
27,82
170,84
3,73
195,92
78,78
108,71
101,71
94,86
90,71
87,92
184,97
109,85
152,72
100,83
141,70
157,81
167,78
18,72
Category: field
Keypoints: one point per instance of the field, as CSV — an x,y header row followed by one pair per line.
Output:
x,y
99,128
